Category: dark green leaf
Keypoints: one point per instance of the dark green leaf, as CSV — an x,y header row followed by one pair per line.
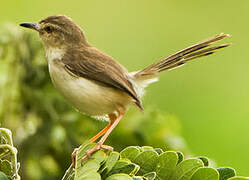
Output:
x,y
5,167
204,160
158,150
226,172
180,157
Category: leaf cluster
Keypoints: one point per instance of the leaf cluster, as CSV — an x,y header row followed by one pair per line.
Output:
x,y
8,156
145,163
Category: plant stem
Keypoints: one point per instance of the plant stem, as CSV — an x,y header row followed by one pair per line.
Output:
x,y
69,172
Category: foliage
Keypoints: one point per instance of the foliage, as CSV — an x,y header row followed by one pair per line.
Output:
x,y
8,156
132,163
144,163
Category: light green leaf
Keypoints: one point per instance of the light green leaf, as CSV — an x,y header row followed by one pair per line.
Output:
x,y
137,178
130,169
146,148
119,177
147,161
150,176
3,176
186,168
239,178
167,162
130,152
109,164
91,165
121,163
89,175
205,173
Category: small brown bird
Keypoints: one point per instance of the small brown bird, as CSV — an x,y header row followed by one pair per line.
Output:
x,y
92,81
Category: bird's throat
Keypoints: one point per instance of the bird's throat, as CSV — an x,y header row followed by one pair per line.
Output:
x,y
54,54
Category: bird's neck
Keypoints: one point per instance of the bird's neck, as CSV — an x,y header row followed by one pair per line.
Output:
x,y
53,53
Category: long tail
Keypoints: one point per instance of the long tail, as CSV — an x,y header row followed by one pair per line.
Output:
x,y
195,51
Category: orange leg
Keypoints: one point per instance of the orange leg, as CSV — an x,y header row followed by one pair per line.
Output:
x,y
114,120
103,131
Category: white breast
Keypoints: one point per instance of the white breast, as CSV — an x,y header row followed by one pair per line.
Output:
x,y
85,95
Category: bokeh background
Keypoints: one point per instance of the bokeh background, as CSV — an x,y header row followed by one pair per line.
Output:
x,y
205,101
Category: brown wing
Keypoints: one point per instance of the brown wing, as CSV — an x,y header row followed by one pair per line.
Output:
x,y
94,65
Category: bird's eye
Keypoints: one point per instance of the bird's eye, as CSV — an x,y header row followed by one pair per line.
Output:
x,y
48,29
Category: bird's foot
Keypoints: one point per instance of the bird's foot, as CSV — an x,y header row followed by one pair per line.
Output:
x,y
94,149
74,156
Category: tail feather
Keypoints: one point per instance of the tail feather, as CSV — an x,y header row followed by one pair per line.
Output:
x,y
181,57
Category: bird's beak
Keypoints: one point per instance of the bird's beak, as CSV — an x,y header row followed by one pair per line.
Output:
x,y
34,26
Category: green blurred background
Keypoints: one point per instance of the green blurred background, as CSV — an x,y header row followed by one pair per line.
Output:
x,y
209,97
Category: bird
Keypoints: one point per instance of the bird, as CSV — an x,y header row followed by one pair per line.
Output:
x,y
95,83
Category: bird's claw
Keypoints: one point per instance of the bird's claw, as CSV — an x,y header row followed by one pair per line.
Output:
x,y
74,156
94,149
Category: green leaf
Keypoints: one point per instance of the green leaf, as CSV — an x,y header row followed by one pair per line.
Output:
x,y
204,160
82,151
239,178
3,176
5,167
109,164
130,153
186,168
121,163
119,177
226,172
158,150
147,164
130,169
150,176
167,162
147,161
91,165
205,173
89,175
146,148
180,157
137,178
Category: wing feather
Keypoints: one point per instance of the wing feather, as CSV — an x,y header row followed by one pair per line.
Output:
x,y
95,65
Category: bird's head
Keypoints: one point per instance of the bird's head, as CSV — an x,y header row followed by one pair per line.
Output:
x,y
58,32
